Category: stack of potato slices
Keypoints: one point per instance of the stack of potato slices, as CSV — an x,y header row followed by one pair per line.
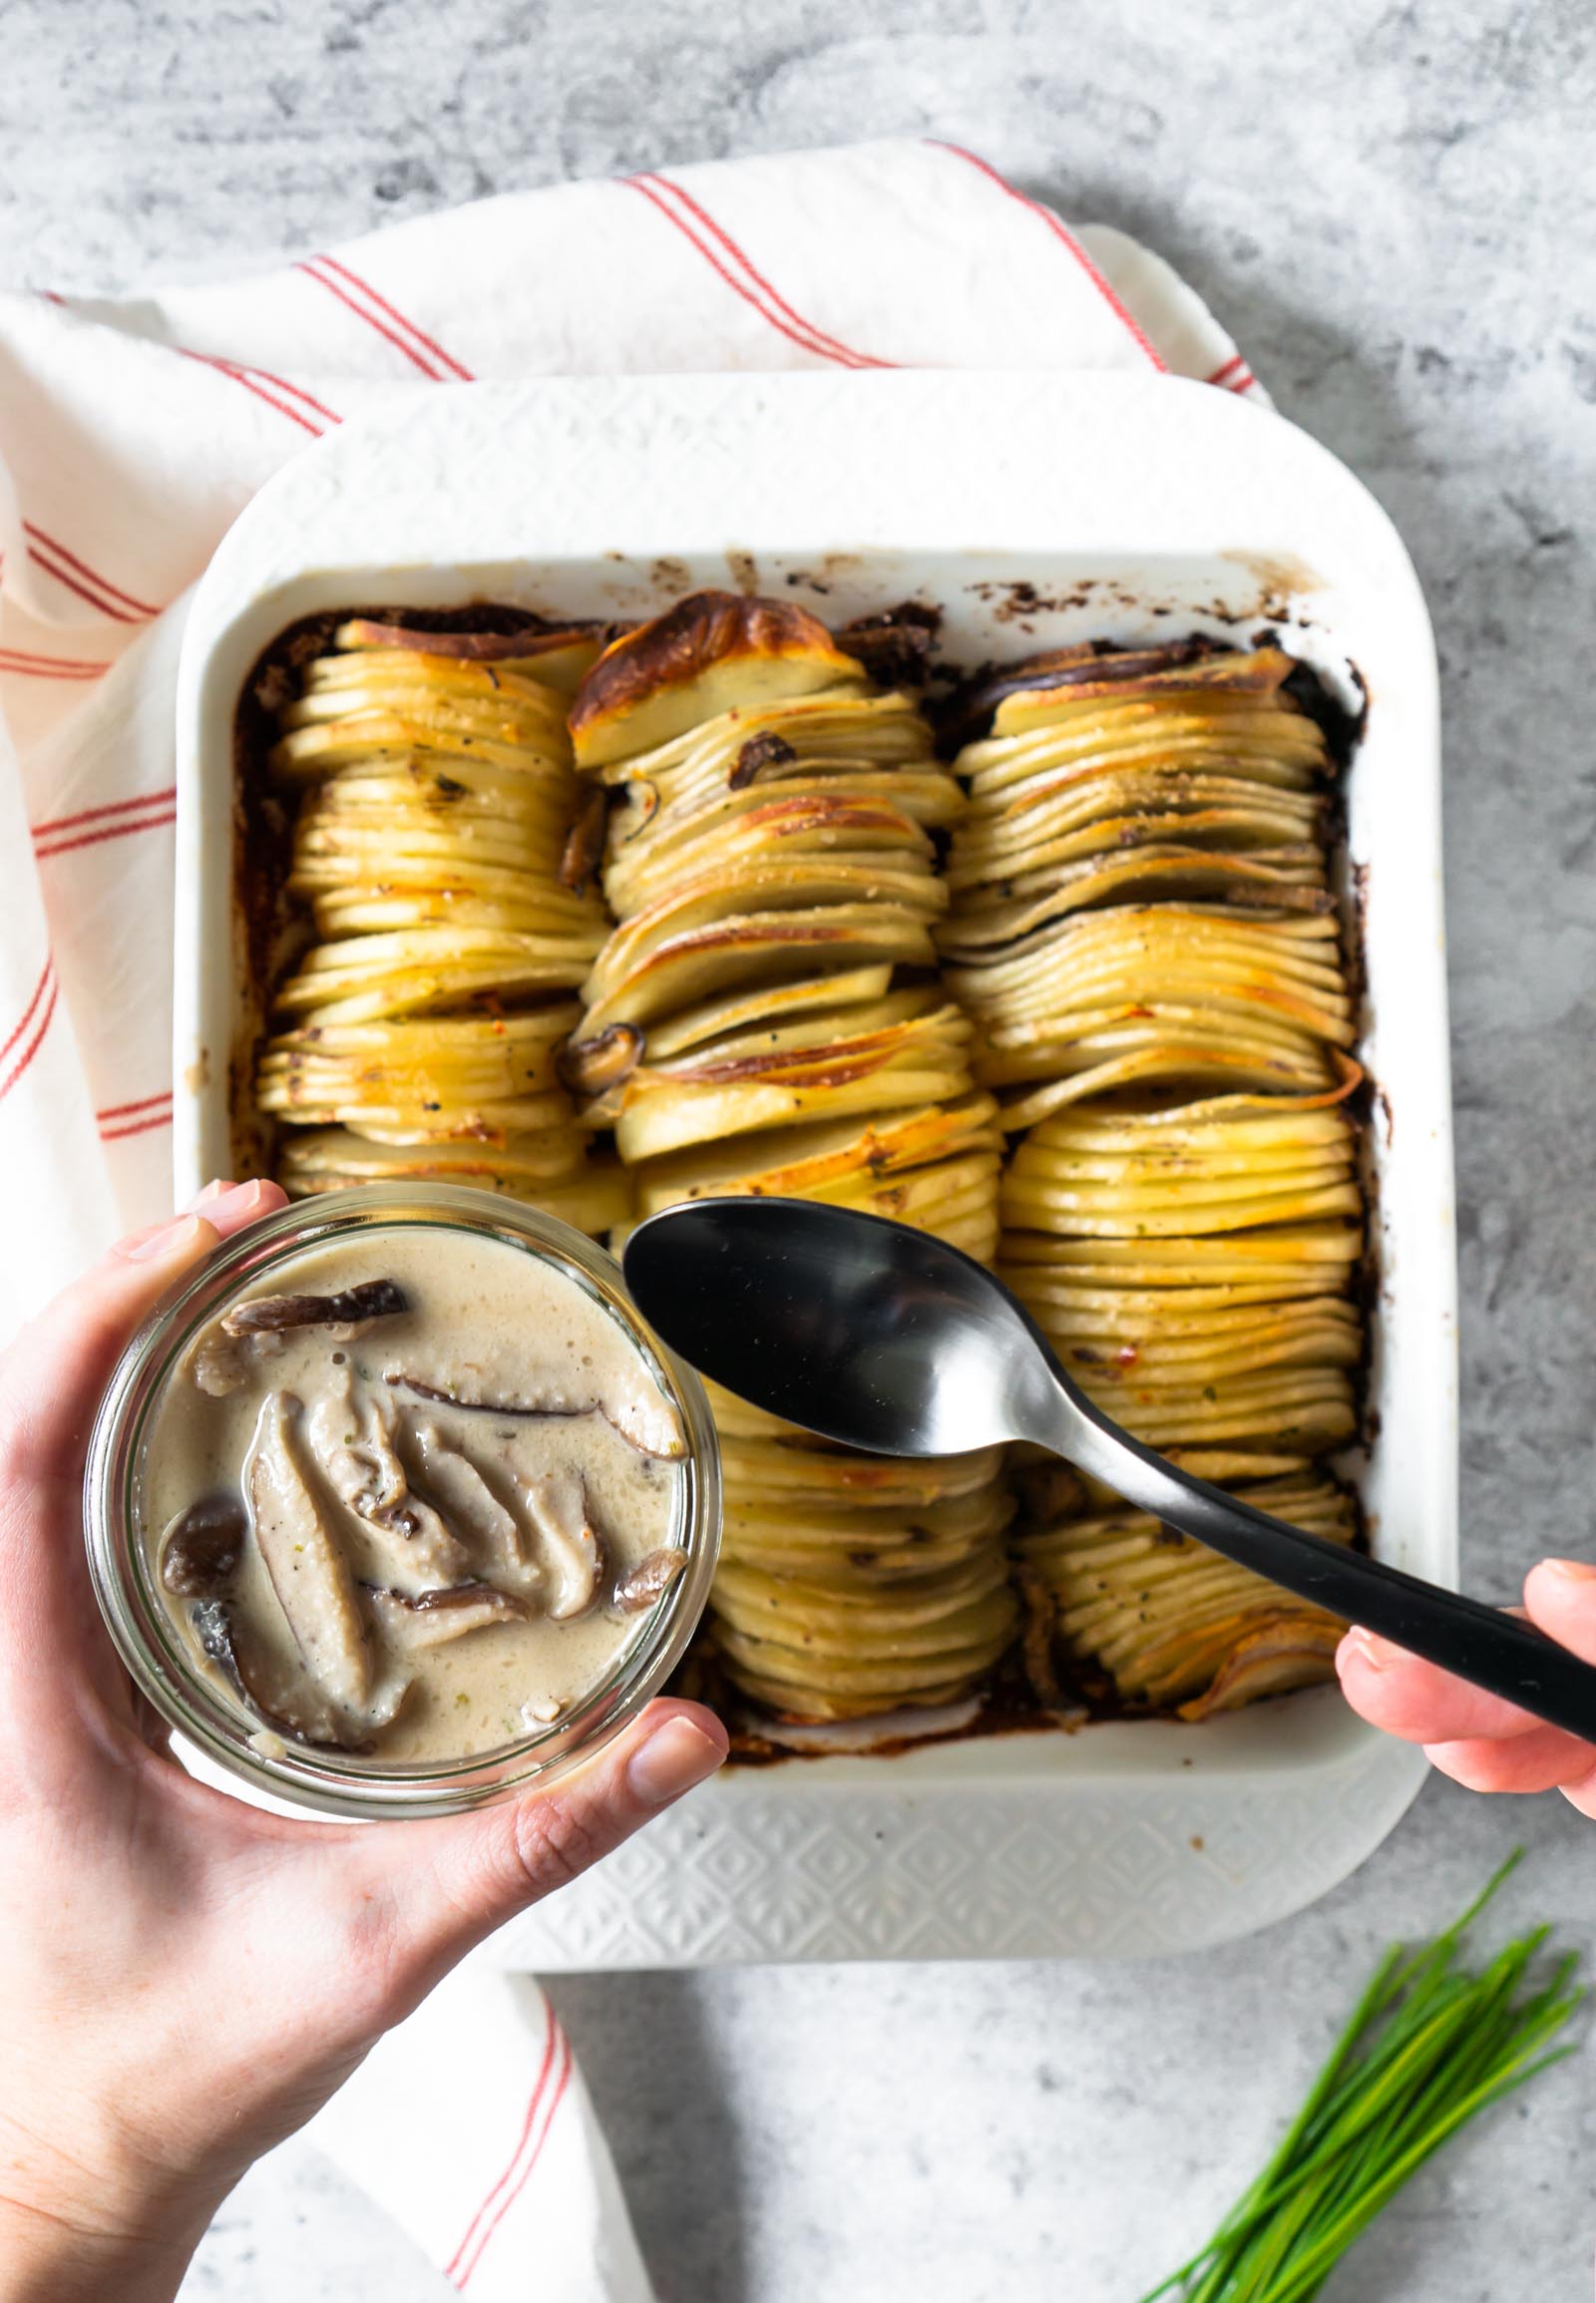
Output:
x,y
1144,932
440,848
767,1017
1176,1627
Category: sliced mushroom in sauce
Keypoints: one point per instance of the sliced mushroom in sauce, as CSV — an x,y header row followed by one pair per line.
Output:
x,y
574,1556
201,1549
432,1618
409,1541
355,1433
348,1309
648,1581
281,1694
308,1571
485,1521
652,1425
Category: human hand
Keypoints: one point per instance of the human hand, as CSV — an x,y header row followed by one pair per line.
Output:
x,y
185,1979
1475,1738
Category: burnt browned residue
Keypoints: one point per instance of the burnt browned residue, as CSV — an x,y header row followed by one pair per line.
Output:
x,y
1015,599
966,713
1343,729
895,645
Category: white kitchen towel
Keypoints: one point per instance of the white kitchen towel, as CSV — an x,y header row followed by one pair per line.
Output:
x,y
504,2183
131,432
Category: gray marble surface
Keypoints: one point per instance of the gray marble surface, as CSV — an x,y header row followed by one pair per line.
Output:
x,y
1386,203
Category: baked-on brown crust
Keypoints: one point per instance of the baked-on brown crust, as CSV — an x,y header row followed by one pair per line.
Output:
x,y
1097,668
671,655
536,637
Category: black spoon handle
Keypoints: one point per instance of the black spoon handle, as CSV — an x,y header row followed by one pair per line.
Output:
x,y
1494,1651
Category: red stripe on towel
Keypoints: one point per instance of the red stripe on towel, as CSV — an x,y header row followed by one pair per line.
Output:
x,y
1061,233
831,347
551,2038
137,1127
45,849
110,807
121,1110
110,592
555,2097
1232,375
31,1030
265,386
29,666
428,343
421,358
31,1010
738,287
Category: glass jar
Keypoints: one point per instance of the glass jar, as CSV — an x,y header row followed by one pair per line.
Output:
x,y
149,1641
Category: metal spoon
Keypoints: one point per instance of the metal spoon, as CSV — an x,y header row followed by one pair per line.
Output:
x,y
881,1338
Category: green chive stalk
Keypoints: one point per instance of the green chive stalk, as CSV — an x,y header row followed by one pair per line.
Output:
x,y
1428,2044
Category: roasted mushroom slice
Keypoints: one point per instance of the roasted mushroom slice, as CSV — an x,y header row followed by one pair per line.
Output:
x,y
350,1309
309,1571
557,1507
201,1548
431,1619
648,1581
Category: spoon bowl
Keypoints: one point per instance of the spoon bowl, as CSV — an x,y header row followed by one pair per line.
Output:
x,y
866,1331
881,1338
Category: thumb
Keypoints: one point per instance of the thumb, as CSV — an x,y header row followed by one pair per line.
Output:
x,y
53,1375
438,1889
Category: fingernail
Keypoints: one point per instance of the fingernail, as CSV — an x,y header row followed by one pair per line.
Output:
x,y
148,1247
1575,1570
675,1756
216,1185
235,1199
1373,1652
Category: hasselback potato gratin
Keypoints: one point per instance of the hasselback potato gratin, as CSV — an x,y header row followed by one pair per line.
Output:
x,y
608,921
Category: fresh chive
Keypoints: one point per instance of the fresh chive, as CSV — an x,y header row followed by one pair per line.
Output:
x,y
1428,2044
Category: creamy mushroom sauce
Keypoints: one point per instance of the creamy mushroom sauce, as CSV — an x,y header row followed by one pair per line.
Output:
x,y
420,1520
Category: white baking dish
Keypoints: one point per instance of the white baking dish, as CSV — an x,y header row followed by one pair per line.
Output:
x,y
1033,509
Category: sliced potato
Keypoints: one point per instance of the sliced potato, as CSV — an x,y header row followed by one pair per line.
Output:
x,y
710,651
431,850
1174,1625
